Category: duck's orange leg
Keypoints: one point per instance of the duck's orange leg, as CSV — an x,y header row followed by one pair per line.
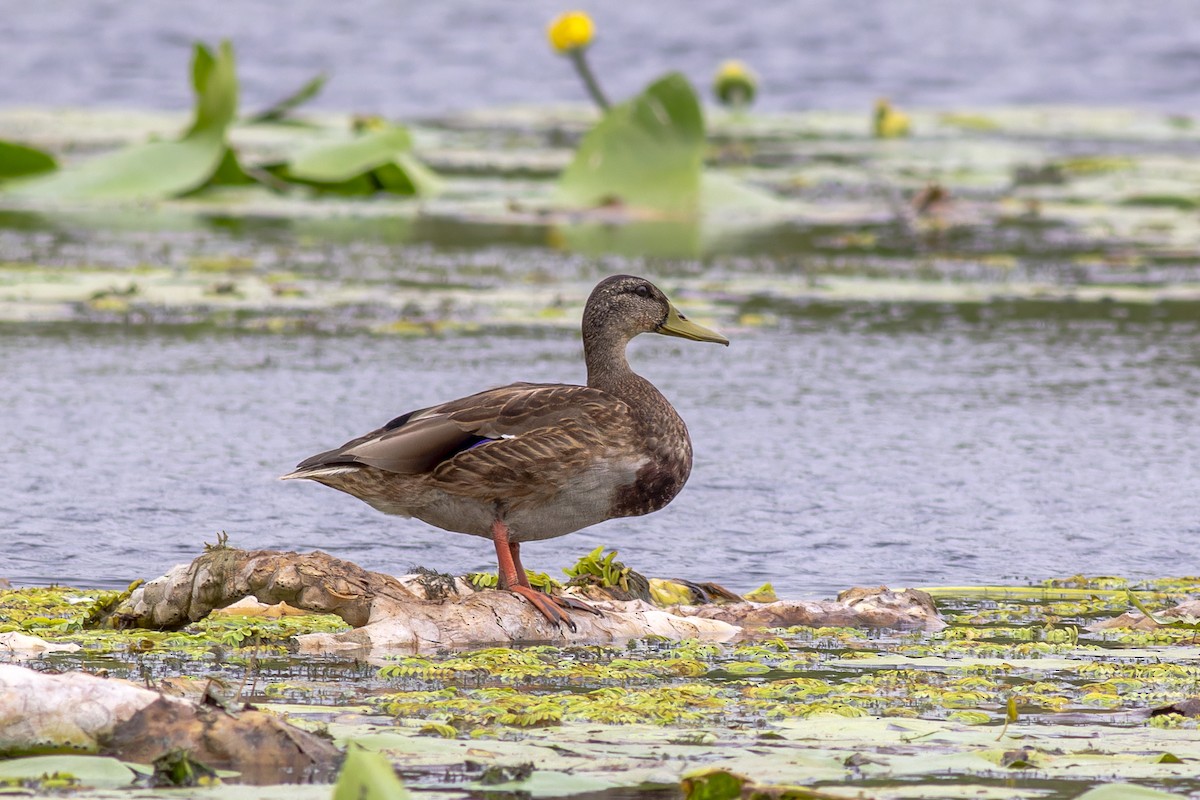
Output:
x,y
562,601
513,578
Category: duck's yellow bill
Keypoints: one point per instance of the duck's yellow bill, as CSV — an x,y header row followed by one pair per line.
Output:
x,y
679,325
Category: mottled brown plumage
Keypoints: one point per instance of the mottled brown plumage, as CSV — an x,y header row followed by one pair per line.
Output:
x,y
534,461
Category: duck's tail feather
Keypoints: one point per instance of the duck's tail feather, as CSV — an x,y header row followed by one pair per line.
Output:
x,y
320,471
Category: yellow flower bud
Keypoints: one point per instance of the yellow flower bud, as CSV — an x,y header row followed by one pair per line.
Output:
x,y
735,84
570,31
888,122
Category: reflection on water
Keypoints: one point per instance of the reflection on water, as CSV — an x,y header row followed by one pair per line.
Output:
x,y
825,457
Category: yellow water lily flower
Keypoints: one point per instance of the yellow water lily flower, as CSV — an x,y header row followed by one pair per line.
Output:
x,y
735,84
570,31
889,123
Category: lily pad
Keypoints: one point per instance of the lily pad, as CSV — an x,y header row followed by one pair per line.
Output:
x,y
18,161
378,160
159,169
647,152
1126,791
368,776
94,771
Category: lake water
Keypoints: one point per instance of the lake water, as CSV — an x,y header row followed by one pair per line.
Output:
x,y
839,441
827,456
416,59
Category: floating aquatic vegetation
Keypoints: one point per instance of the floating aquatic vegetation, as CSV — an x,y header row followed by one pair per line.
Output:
x,y
490,580
646,153
64,772
599,569
789,707
368,776
20,161
162,169
379,159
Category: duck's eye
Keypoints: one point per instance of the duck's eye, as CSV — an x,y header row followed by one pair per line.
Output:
x,y
642,291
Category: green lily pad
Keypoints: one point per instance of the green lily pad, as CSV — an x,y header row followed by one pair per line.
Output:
x,y
720,192
214,79
94,771
712,783
647,153
368,776
1126,791
378,160
18,161
159,169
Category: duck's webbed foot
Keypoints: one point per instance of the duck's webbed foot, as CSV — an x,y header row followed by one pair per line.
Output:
x,y
577,605
513,578
551,607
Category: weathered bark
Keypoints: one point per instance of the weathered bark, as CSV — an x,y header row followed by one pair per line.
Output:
x,y
77,712
426,611
313,581
859,607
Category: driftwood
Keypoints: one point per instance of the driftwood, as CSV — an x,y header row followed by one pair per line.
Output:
x,y
880,607
77,712
426,611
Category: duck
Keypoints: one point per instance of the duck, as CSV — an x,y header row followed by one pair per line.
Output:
x,y
532,461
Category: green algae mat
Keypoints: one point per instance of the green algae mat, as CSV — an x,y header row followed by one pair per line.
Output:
x,y
1016,698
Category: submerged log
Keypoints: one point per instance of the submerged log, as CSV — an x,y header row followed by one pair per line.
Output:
x,y
427,611
76,712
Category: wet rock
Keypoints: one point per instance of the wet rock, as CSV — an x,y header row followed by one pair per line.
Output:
x,y
77,712
263,748
16,643
73,712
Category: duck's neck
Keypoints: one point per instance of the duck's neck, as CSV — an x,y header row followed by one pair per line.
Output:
x,y
662,439
608,370
607,367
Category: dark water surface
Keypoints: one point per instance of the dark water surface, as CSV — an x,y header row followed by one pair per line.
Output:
x,y
825,457
425,58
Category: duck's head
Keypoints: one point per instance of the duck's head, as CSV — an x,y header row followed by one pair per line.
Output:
x,y
626,305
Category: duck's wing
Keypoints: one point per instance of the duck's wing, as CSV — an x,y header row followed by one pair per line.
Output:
x,y
542,439
496,436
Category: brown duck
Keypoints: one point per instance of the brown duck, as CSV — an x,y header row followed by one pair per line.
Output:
x,y
533,461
